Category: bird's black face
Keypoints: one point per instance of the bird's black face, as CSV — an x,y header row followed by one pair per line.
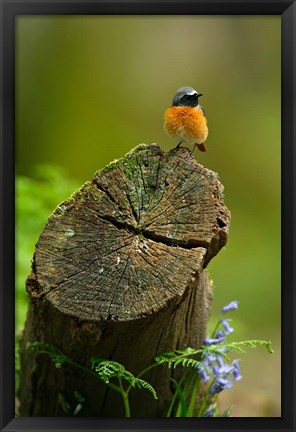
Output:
x,y
186,96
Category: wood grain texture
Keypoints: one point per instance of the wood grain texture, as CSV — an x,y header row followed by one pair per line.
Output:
x,y
120,272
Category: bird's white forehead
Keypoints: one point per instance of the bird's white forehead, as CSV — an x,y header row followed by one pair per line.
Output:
x,y
192,92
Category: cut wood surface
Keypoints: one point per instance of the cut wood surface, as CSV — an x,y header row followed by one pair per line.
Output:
x,y
120,272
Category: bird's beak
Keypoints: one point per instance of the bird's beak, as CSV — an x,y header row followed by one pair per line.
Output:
x,y
200,94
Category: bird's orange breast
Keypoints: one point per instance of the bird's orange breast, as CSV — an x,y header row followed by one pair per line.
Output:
x,y
186,124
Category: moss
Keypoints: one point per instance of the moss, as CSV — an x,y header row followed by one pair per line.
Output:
x,y
111,166
77,197
132,161
60,210
137,149
130,164
131,167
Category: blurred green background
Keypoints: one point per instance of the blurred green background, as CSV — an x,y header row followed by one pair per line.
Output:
x,y
90,88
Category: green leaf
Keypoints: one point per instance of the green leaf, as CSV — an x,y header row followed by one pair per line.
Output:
x,y
182,399
64,404
79,397
227,412
193,396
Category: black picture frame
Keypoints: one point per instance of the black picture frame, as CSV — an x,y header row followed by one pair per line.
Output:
x,y
10,9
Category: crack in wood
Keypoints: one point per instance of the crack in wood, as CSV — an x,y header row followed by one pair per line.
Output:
x,y
187,244
122,242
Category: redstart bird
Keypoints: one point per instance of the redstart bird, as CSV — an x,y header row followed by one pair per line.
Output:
x,y
185,120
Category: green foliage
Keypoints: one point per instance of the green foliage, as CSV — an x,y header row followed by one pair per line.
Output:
x,y
107,369
180,357
226,413
182,396
17,364
80,399
36,198
222,350
102,369
185,356
183,402
64,404
140,383
57,357
186,389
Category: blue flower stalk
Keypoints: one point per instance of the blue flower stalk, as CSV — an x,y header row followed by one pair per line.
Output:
x,y
222,374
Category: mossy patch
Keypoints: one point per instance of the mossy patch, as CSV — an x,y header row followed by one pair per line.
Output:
x,y
111,166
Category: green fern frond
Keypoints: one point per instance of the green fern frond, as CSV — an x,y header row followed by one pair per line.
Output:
x,y
185,356
128,376
145,385
181,357
236,346
107,369
186,351
57,356
214,350
255,343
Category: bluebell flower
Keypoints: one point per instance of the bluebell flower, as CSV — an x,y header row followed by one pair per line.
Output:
x,y
221,373
236,371
220,384
226,326
209,413
210,358
202,372
214,341
215,370
204,376
219,334
220,361
231,306
223,369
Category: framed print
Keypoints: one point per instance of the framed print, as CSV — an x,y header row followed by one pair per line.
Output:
x,y
147,215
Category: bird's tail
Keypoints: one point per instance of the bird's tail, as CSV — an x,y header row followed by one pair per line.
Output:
x,y
201,147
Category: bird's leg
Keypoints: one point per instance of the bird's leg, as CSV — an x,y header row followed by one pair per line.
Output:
x,y
179,144
193,148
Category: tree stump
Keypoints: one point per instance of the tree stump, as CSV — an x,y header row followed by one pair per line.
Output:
x,y
119,272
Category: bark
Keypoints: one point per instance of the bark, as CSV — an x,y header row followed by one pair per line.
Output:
x,y
119,272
